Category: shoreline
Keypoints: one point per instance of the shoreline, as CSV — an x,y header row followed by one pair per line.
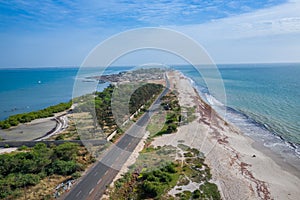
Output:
x,y
280,156
229,152
278,159
240,168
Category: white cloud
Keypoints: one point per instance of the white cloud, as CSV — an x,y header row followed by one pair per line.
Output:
x,y
282,19
266,35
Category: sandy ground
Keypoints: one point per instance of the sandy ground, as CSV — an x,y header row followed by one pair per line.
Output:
x,y
7,150
238,174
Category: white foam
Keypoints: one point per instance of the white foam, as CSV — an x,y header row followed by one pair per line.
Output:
x,y
251,128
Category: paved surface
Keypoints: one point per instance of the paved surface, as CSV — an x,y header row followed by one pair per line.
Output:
x,y
61,124
94,183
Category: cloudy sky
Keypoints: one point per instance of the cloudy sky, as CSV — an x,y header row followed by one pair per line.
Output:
x,y
62,33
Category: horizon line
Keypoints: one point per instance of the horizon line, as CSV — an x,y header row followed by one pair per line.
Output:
x,y
131,65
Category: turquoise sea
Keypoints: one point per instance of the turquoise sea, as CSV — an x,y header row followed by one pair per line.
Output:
x,y
262,99
28,89
267,93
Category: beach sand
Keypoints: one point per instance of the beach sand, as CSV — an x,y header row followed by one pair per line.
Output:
x,y
240,168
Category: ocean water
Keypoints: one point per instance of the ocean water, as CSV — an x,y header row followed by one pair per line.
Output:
x,y
30,89
24,90
263,100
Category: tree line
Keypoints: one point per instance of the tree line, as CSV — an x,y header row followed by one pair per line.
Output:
x,y
100,104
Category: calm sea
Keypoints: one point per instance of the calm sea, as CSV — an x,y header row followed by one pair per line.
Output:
x,y
29,89
262,99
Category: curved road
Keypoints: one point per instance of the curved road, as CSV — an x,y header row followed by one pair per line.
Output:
x,y
61,124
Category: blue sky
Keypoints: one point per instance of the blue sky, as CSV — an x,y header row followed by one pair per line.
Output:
x,y
61,33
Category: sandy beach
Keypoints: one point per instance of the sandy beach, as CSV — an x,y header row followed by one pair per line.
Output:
x,y
240,168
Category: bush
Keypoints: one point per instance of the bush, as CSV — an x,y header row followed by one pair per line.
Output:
x,y
170,168
60,137
196,194
76,175
155,182
5,125
210,191
21,180
152,189
188,154
27,168
63,167
22,148
66,151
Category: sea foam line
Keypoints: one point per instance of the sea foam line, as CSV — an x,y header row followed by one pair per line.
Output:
x,y
247,124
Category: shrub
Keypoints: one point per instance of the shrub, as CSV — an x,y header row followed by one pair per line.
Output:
x,y
152,189
5,125
60,137
22,148
66,151
64,167
196,194
76,175
210,191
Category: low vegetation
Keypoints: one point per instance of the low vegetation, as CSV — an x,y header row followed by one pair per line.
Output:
x,y
171,105
163,172
172,116
20,170
155,174
102,103
146,184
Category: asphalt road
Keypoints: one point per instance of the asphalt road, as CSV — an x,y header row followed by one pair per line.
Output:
x,y
94,183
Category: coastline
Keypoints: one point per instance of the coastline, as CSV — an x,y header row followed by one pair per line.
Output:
x,y
240,167
283,152
278,159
